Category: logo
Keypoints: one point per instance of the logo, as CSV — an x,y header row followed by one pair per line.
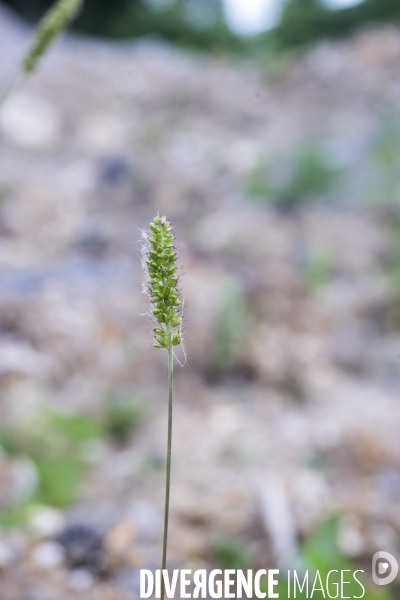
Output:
x,y
384,568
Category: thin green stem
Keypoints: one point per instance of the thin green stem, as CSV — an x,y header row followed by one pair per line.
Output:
x,y
168,469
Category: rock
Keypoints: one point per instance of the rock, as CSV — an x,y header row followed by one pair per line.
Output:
x,y
120,548
102,132
119,538
388,481
94,242
7,555
351,541
83,547
81,580
188,543
310,495
18,480
46,521
135,558
30,122
352,347
278,519
115,170
147,519
383,536
26,478
22,359
48,555
225,420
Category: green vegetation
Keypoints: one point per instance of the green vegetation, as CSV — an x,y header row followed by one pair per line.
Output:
x,y
230,327
122,418
201,23
306,177
186,23
391,268
319,271
60,479
16,515
305,21
54,444
384,175
74,427
57,445
191,23
230,554
320,552
226,357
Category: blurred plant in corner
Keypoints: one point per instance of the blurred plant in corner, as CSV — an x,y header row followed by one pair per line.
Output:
x,y
320,552
306,21
201,23
192,23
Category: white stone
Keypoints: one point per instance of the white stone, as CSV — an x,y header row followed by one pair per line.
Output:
x,y
81,580
46,521
48,555
102,132
7,555
350,540
18,357
30,122
25,477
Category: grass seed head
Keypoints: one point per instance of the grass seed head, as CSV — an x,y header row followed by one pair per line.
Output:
x,y
53,23
159,258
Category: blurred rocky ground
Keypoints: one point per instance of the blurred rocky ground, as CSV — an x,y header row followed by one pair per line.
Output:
x,y
282,181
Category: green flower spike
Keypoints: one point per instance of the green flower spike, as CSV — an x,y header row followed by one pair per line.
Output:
x,y
161,286
52,24
162,282
56,19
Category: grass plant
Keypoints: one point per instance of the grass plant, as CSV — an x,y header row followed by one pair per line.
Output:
x,y
54,22
161,285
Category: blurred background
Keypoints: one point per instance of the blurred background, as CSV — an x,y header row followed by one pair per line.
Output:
x,y
269,133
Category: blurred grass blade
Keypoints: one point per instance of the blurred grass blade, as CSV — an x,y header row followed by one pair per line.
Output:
x,y
53,23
